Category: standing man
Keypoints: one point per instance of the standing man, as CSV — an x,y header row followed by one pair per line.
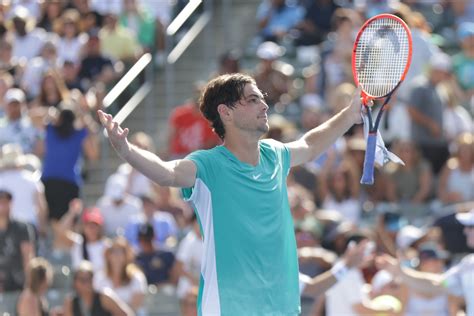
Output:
x,y
458,280
239,193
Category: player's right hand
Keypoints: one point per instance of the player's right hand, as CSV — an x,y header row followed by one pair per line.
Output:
x,y
117,135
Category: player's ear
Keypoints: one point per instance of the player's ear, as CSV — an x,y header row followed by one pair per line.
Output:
x,y
224,112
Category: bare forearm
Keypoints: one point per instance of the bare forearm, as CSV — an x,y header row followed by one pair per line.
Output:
x,y
424,282
320,284
318,140
150,165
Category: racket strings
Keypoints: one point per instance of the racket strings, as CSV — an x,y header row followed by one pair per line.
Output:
x,y
381,56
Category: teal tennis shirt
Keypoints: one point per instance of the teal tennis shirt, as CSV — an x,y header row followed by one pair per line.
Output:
x,y
249,264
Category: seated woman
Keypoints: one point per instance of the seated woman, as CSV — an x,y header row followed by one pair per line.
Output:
x,y
456,180
122,275
87,301
32,300
411,183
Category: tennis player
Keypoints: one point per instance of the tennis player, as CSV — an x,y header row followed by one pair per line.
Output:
x,y
239,193
458,280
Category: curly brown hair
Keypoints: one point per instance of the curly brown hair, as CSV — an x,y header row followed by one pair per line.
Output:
x,y
226,89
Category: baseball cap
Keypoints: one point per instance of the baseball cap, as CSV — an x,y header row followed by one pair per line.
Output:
x,y
92,215
467,219
431,250
408,235
15,95
465,30
270,50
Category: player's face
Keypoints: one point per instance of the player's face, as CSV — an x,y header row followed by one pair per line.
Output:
x,y
250,112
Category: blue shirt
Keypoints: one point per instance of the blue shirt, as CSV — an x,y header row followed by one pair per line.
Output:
x,y
61,160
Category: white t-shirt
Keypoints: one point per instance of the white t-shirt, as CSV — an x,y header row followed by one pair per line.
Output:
x,y
125,292
460,281
116,217
343,295
348,208
24,187
95,250
190,254
70,49
30,45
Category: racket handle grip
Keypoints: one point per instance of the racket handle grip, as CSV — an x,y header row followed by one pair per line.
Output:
x,y
368,172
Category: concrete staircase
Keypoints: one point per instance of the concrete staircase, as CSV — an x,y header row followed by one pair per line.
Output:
x,y
231,26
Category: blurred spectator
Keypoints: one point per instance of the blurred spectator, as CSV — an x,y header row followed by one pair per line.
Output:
x,y
32,300
27,39
229,63
34,7
87,301
51,10
188,260
29,203
157,264
140,22
64,146
16,247
336,52
389,293
388,225
117,206
6,83
413,182
339,191
272,75
69,73
316,23
53,91
122,275
432,259
276,18
106,7
188,130
456,180
7,62
161,11
16,126
423,50
72,40
164,225
456,119
351,289
95,66
464,11
426,111
37,67
463,62
118,42
87,244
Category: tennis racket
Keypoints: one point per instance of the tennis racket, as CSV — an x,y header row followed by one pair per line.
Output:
x,y
380,60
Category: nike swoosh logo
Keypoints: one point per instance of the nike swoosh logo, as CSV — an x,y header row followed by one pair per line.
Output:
x,y
256,176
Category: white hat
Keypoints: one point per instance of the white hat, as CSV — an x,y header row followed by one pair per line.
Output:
x,y
11,155
467,219
14,95
407,235
441,61
380,279
115,186
270,50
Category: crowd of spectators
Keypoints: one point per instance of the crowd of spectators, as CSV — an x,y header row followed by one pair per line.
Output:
x,y
57,60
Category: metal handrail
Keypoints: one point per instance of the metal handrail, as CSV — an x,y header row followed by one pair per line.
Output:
x,y
182,17
125,81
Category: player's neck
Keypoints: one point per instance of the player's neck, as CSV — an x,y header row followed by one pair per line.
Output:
x,y
244,148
